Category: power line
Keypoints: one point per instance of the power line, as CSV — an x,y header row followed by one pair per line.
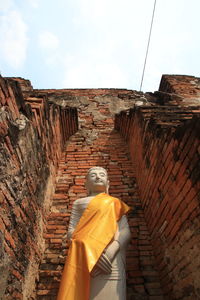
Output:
x,y
149,39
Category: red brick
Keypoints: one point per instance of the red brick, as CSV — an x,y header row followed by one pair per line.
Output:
x,y
10,239
17,274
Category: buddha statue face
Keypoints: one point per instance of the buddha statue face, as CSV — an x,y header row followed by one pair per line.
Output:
x,y
97,180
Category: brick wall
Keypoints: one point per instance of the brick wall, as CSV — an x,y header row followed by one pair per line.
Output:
x,y
180,90
185,86
164,146
32,136
156,173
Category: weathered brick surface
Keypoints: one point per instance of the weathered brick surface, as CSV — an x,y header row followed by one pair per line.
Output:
x,y
32,137
180,90
164,146
157,173
182,85
96,143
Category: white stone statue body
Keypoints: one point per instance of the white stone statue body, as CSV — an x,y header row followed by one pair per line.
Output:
x,y
108,277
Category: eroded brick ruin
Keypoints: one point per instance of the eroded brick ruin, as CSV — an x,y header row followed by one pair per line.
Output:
x,y
148,142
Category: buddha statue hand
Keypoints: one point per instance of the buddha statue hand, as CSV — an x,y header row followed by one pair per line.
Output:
x,y
112,250
103,265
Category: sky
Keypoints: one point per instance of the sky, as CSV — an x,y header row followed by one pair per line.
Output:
x,y
98,43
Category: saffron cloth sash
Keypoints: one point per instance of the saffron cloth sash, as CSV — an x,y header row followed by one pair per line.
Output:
x,y
93,233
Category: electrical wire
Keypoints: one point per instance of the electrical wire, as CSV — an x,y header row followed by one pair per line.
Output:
x,y
149,39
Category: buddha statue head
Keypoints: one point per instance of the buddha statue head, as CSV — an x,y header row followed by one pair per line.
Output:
x,y
97,181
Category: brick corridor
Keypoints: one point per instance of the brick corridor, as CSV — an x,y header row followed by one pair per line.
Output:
x,y
163,133
107,150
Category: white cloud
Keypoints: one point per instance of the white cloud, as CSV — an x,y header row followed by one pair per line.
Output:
x,y
114,35
122,29
13,39
5,5
114,12
91,74
54,59
48,40
34,3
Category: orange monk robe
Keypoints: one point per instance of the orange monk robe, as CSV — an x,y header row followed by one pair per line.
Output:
x,y
93,233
